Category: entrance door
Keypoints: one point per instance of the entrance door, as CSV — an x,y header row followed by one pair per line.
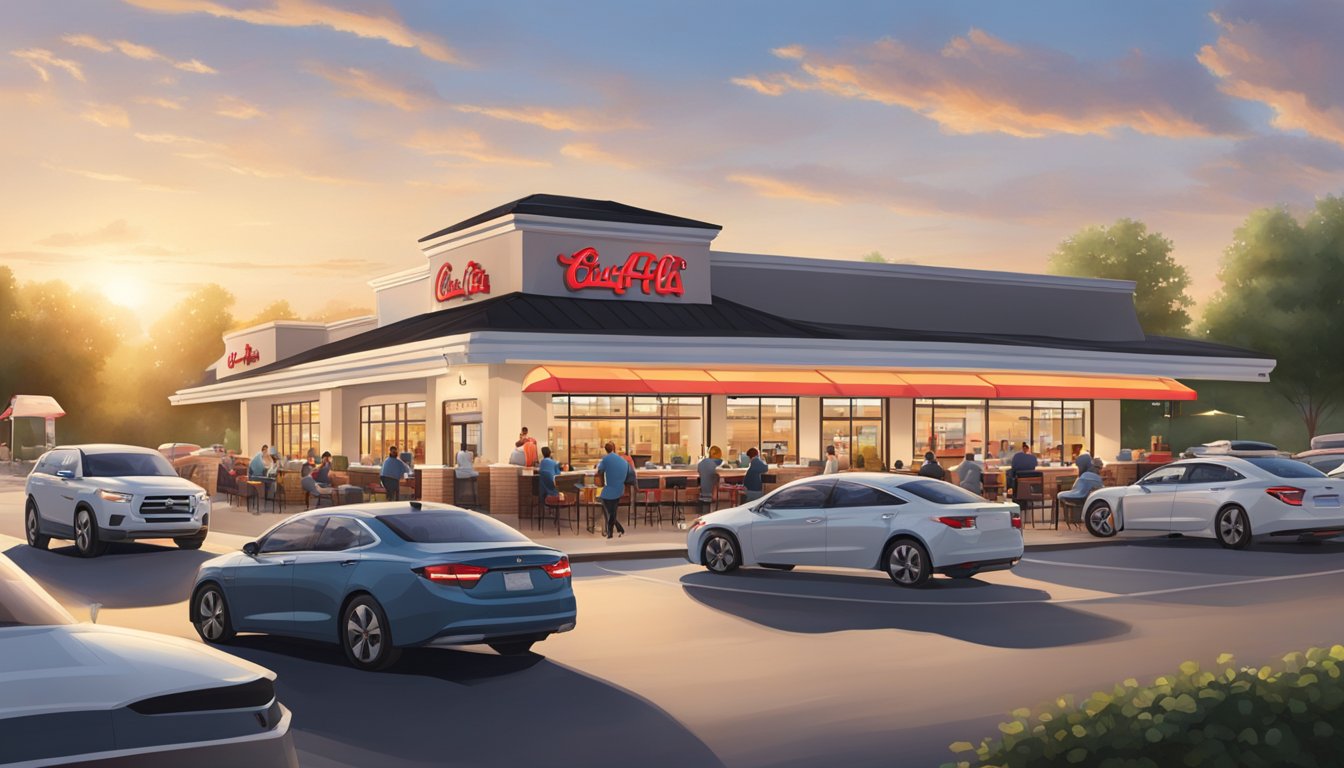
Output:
x,y
460,430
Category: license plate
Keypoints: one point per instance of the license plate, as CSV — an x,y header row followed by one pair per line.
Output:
x,y
1326,501
517,581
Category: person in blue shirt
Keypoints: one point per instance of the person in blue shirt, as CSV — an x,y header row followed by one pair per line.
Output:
x,y
547,469
393,470
754,482
256,469
614,469
1024,461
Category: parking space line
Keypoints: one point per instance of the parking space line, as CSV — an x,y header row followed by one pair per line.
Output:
x,y
1034,561
981,603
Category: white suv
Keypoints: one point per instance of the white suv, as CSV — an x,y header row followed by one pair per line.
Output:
x,y
95,494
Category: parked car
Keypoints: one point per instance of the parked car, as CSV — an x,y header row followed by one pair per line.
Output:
x,y
96,494
909,526
377,578
78,693
1232,448
1231,499
1326,453
173,451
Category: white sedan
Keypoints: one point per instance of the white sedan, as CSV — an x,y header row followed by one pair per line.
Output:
x,y
909,526
90,695
1230,499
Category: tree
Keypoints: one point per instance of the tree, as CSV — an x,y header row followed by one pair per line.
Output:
x,y
276,310
874,257
1126,250
1283,295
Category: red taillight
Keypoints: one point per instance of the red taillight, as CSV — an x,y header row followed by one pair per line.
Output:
x,y
956,522
1017,520
1287,494
559,569
453,573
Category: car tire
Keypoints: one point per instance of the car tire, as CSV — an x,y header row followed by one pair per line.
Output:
x,y
719,553
189,542
513,648
1100,521
32,527
210,615
87,541
777,566
907,562
366,635
1232,527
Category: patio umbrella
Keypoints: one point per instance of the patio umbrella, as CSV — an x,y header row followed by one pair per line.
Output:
x,y
30,407
1236,420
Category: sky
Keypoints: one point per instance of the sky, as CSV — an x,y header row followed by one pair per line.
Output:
x,y
297,148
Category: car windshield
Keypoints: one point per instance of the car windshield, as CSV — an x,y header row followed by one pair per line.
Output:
x,y
23,604
1286,467
940,492
126,465
446,526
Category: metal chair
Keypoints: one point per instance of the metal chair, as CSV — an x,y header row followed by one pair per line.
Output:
x,y
991,487
1029,492
464,492
568,498
648,491
675,485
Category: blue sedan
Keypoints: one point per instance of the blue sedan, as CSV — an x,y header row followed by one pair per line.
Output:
x,y
377,578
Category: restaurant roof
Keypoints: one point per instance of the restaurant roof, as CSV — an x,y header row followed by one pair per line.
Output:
x,y
564,207
527,313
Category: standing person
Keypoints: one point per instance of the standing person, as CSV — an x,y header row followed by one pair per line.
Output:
x,y
393,470
832,463
322,475
1023,461
753,484
707,469
529,448
547,469
931,467
970,474
614,471
464,466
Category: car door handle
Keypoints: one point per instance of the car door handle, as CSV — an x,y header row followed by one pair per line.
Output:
x,y
348,562
888,515
1211,490
814,520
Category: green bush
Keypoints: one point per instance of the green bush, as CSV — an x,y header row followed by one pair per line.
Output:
x,y
1232,716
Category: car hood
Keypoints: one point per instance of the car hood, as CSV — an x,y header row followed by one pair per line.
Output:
x,y
147,484
89,667
732,517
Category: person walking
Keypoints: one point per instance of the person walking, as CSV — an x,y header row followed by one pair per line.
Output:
x,y
970,474
931,467
394,469
613,470
753,485
832,463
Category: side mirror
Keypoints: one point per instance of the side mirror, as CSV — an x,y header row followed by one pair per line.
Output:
x,y
250,549
65,474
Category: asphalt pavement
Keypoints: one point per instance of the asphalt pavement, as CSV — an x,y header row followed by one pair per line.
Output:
x,y
673,666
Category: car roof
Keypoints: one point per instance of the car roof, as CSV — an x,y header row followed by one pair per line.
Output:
x,y
1319,452
374,509
107,448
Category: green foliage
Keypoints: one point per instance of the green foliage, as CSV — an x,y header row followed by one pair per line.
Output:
x,y
276,310
1283,295
874,257
1227,716
1126,250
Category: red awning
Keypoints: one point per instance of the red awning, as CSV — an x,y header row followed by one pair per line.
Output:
x,y
850,383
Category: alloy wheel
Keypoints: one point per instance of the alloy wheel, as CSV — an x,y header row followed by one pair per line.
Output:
x,y
210,613
720,555
83,531
31,527
906,563
1099,521
1234,528
363,634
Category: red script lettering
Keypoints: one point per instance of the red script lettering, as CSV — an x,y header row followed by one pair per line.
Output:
x,y
474,280
660,275
248,356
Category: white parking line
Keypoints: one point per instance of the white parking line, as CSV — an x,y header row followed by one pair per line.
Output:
x,y
980,603
1034,561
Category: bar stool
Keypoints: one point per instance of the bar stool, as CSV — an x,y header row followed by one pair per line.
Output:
x,y
559,504
676,485
588,503
648,492
464,492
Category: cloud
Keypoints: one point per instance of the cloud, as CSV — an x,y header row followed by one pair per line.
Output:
x,y
238,109
592,153
137,51
106,115
550,119
168,138
115,232
1286,56
1275,169
116,178
41,60
360,84
768,186
311,13
467,145
978,83
158,101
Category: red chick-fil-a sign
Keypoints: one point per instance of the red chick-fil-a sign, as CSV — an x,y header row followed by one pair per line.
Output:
x,y
658,275
474,280
247,357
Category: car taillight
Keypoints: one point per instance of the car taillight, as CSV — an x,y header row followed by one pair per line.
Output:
x,y
1017,520
464,576
956,522
1287,494
559,569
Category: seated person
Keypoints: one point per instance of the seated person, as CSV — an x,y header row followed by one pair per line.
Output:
x,y
707,469
931,467
323,471
970,474
319,493
1023,461
547,469
1083,487
753,484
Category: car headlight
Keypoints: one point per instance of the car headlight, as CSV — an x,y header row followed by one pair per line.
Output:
x,y
114,496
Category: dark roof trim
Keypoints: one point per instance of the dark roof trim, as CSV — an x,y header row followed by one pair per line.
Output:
x,y
562,207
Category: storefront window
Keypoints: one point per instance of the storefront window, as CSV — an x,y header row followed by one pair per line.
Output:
x,y
767,423
294,429
856,428
1056,430
661,429
399,424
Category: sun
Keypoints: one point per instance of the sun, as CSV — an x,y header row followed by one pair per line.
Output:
x,y
126,291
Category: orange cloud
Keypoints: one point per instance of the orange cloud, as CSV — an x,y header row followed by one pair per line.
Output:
x,y
768,186
550,119
159,101
1288,59
592,153
467,145
238,109
87,41
40,59
115,232
367,86
978,83
137,51
310,13
117,178
106,115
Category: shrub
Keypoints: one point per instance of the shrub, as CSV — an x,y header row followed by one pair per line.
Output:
x,y
1231,716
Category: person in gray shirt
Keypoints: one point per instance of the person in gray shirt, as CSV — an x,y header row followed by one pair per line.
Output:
x,y
707,469
970,474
